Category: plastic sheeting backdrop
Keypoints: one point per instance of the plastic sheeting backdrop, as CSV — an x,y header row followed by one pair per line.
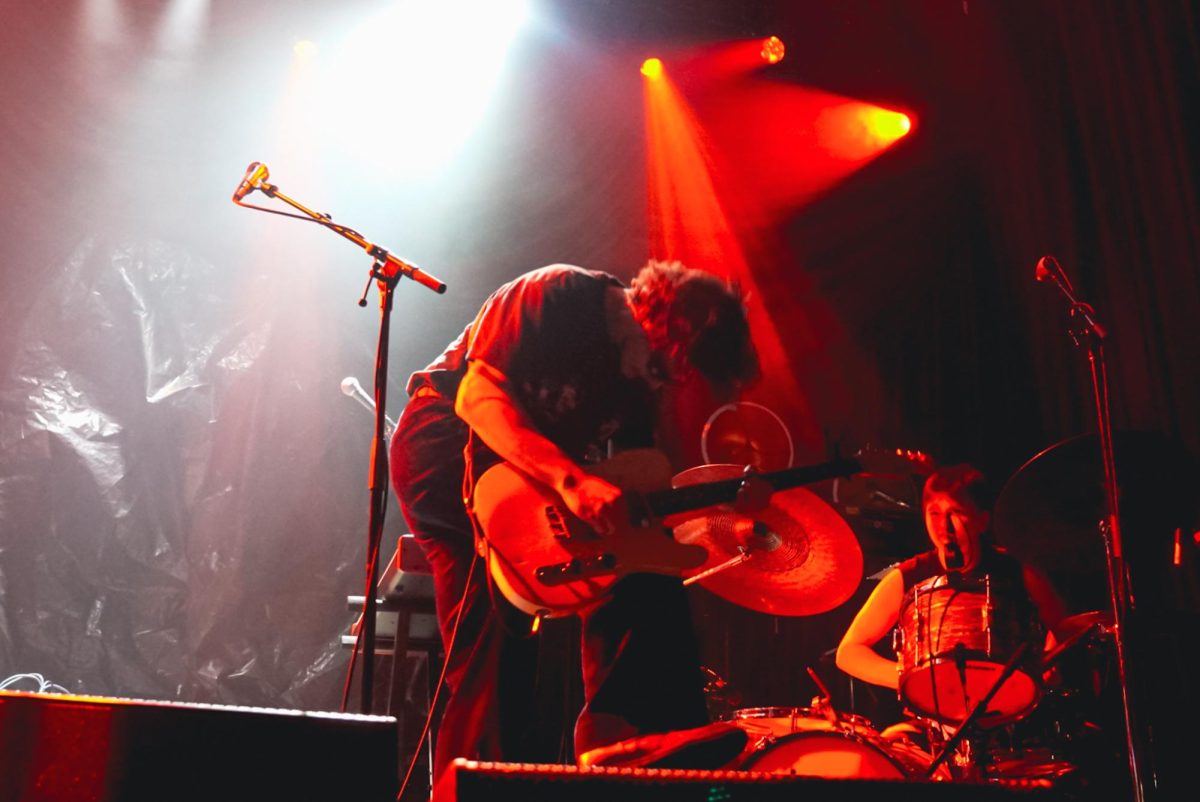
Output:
x,y
167,530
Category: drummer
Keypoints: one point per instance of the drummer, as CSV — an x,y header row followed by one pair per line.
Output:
x,y
956,503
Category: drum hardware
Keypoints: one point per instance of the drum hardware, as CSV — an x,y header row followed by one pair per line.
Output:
x,y
720,697
821,742
825,700
1051,658
1046,516
977,711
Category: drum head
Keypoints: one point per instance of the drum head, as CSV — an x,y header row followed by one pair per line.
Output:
x,y
775,722
826,754
937,691
779,721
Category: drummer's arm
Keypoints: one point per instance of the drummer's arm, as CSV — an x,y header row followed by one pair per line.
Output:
x,y
855,654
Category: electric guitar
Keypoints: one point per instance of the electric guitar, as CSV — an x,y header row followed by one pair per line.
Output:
x,y
549,563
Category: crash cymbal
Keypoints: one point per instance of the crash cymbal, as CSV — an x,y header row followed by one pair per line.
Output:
x,y
1048,512
803,558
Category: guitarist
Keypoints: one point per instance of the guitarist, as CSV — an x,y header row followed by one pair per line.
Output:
x,y
560,366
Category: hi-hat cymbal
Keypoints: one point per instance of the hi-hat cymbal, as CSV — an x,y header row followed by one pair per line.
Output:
x,y
1049,511
1097,620
803,558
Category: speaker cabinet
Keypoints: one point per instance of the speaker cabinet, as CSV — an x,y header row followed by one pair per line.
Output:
x,y
470,781
97,749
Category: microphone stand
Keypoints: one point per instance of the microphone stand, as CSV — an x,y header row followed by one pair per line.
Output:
x,y
976,712
386,271
1090,334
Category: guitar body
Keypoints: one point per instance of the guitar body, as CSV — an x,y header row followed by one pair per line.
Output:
x,y
548,562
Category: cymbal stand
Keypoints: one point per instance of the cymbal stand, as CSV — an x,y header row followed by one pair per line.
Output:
x,y
760,540
753,495
739,558
1089,334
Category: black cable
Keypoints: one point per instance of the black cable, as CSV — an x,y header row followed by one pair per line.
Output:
x,y
437,690
936,646
332,226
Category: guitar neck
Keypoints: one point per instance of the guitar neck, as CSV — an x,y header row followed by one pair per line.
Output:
x,y
662,503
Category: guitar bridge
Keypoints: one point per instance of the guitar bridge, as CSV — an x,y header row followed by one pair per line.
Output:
x,y
578,568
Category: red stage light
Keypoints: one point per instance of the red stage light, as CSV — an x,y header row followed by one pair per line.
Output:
x,y
652,68
772,50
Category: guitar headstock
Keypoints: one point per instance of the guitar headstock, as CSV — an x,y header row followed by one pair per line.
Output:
x,y
894,462
887,481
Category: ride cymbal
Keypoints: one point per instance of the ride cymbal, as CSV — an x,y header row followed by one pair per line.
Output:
x,y
1049,511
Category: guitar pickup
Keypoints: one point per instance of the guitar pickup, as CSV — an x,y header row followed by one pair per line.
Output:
x,y
554,519
578,568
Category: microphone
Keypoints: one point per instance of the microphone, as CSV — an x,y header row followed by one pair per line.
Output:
x,y
954,556
255,174
1049,268
353,389
1043,267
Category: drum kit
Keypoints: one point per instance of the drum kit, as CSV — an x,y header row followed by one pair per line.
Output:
x,y
972,671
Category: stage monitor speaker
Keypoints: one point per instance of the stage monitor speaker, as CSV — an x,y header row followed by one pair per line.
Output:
x,y
470,781
76,748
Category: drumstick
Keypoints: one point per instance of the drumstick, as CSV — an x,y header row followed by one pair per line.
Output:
x,y
820,685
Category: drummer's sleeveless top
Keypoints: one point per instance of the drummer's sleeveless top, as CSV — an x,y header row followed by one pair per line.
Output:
x,y
1004,575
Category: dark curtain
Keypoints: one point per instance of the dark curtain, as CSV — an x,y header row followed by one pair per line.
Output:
x,y
1045,128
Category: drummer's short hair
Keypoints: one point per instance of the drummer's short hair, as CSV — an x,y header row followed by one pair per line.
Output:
x,y
961,481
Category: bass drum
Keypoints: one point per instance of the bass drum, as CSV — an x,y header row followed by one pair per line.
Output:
x,y
841,755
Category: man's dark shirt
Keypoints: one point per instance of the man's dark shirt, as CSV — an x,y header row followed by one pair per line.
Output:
x,y
547,333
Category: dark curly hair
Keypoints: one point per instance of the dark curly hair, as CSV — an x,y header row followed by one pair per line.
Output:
x,y
698,321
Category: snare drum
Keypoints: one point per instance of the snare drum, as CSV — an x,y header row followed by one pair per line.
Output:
x,y
776,722
954,641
